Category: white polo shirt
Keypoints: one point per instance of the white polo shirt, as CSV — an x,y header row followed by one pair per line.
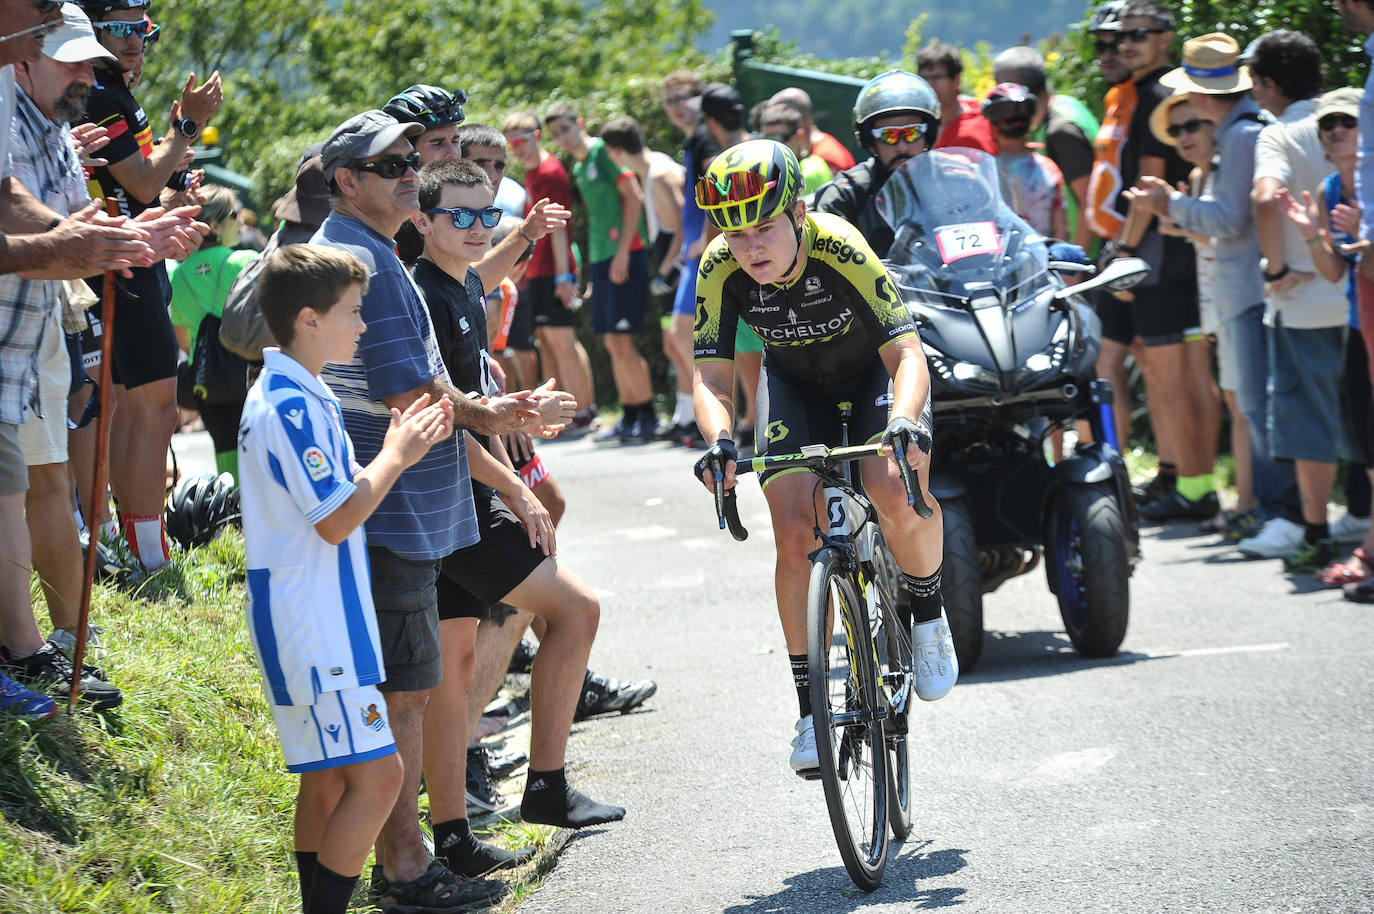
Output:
x,y
310,610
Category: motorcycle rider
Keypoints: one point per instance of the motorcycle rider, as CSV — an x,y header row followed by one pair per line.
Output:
x,y
896,117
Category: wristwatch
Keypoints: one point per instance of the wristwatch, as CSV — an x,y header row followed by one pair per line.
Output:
x,y
186,127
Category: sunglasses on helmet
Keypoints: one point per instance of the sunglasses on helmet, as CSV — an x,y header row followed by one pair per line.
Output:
x,y
736,188
391,167
123,30
902,133
464,216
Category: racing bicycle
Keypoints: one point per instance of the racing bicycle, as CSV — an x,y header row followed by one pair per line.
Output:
x,y
858,651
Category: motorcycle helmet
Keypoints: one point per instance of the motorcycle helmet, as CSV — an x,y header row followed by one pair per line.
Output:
x,y
1010,108
1107,17
199,506
428,106
749,183
895,92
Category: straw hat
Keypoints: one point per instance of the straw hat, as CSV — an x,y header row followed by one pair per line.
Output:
x,y
1211,66
1159,118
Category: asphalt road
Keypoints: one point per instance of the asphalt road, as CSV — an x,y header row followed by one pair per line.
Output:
x,y
1221,763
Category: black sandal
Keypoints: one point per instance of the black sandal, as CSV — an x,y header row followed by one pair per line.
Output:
x,y
439,891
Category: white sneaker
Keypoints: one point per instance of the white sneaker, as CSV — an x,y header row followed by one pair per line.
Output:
x,y
1277,539
804,757
1350,529
937,666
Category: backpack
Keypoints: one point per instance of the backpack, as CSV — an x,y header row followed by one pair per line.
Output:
x,y
220,377
243,330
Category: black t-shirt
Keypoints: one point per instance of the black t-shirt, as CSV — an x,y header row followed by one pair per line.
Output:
x,y
1068,147
459,317
1179,257
111,105
699,148
850,194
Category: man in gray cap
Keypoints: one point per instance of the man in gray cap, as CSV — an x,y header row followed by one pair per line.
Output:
x,y
370,165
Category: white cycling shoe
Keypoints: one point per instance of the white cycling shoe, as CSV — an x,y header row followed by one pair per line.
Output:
x,y
937,666
804,759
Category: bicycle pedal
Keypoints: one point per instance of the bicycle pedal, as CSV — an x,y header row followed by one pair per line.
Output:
x,y
810,774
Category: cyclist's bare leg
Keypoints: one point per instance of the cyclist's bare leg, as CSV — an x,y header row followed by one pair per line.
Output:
x,y
792,506
917,545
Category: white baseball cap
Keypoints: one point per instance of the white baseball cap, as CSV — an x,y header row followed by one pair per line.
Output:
x,y
74,40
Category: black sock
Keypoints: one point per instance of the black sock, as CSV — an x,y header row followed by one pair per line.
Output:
x,y
330,893
801,678
925,596
465,854
550,800
1168,474
1316,532
306,861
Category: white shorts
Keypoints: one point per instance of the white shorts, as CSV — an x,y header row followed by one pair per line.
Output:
x,y
44,438
341,728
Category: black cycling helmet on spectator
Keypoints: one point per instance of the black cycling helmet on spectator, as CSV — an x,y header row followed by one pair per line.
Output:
x,y
199,506
895,92
428,106
97,9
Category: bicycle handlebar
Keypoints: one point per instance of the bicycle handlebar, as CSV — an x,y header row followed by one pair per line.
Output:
x,y
817,457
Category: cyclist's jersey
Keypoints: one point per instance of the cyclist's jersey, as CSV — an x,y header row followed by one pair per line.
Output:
x,y
824,329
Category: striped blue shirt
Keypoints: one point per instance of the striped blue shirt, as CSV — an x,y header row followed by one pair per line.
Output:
x,y
428,513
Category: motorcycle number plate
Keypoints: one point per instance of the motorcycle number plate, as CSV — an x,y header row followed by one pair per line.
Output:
x,y
967,239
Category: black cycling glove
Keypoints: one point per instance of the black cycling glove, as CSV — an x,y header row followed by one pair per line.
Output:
x,y
903,431
716,457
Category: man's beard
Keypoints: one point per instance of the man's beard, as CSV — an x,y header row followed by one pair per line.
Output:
x,y
71,107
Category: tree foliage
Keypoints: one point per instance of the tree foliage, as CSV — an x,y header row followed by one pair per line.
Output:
x,y
294,71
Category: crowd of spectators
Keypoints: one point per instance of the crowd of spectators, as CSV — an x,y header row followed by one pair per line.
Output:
x,y
1234,175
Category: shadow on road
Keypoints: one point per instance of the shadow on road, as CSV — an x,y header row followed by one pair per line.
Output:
x,y
830,890
1028,655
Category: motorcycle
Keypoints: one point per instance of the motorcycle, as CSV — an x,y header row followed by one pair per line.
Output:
x,y
1012,347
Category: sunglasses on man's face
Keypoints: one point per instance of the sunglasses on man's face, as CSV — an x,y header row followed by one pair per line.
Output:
x,y
1101,47
122,30
1190,127
519,140
1332,121
464,216
46,6
391,167
901,133
1140,34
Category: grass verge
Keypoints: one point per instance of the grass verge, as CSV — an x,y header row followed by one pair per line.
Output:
x,y
178,800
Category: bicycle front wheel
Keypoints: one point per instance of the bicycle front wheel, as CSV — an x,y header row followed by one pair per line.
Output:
x,y
848,711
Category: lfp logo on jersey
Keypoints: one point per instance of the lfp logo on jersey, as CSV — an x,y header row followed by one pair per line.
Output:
x,y
316,464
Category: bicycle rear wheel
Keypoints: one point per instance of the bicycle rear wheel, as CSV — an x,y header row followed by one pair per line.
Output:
x,y
845,703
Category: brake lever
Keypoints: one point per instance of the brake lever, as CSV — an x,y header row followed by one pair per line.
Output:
x,y
914,497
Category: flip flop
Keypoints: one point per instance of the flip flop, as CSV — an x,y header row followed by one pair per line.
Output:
x,y
1338,574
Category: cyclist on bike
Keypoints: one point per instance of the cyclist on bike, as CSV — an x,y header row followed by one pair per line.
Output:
x,y
896,117
833,329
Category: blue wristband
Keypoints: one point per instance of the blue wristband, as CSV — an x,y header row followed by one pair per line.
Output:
x,y
565,277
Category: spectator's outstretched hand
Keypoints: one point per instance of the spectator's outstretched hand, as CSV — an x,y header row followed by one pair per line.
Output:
x,y
556,407
172,233
89,139
511,411
1304,214
1151,195
1346,218
88,242
412,433
544,217
199,102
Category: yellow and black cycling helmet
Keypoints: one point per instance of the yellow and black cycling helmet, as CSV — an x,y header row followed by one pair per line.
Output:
x,y
749,183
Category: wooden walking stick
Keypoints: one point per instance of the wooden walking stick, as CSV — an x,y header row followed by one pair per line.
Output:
x,y
102,450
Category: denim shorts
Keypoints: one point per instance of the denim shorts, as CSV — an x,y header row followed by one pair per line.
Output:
x,y
1235,336
1305,371
407,620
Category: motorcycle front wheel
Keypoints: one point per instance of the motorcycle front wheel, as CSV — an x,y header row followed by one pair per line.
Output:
x,y
1089,566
